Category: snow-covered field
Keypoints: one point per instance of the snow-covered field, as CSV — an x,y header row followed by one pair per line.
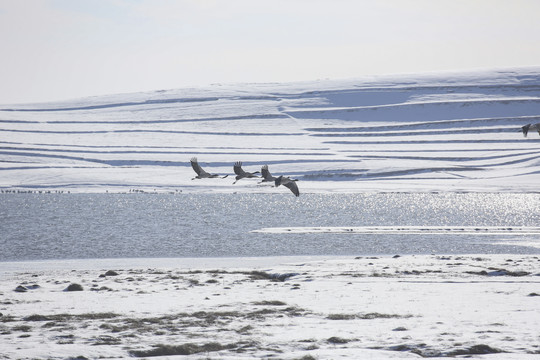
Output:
x,y
428,132
356,308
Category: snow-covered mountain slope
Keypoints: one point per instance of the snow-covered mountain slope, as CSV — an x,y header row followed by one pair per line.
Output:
x,y
428,132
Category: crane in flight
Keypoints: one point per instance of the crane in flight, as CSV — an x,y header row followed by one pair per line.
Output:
x,y
285,181
240,173
267,176
201,174
288,182
528,127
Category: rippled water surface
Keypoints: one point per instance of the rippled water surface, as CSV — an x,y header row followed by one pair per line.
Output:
x,y
70,226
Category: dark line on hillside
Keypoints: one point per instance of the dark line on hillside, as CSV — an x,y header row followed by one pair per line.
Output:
x,y
145,102
439,124
149,131
246,151
186,163
410,86
166,121
113,105
163,147
417,133
405,142
449,158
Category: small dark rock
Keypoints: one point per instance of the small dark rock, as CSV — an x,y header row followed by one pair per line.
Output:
x,y
74,287
103,288
111,273
107,340
36,317
401,347
533,294
418,349
184,349
396,256
21,288
401,328
282,277
259,275
504,272
499,272
483,272
337,340
475,350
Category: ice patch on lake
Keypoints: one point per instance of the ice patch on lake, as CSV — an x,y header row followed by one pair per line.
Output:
x,y
466,230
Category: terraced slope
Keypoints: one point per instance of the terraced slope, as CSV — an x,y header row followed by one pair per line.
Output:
x,y
440,132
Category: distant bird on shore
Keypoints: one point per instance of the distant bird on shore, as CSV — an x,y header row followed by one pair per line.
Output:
x,y
240,173
201,174
528,127
288,182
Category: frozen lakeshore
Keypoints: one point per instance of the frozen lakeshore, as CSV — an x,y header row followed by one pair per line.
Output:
x,y
480,306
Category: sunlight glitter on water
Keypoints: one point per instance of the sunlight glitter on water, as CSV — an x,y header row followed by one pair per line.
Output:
x,y
69,226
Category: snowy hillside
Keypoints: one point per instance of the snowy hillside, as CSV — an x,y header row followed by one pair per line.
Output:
x,y
429,132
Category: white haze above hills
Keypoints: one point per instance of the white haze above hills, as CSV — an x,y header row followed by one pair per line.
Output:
x,y
426,132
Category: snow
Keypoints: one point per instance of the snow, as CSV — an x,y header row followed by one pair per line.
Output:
x,y
416,132
483,306
408,133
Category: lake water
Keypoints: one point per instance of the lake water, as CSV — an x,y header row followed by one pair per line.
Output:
x,y
75,226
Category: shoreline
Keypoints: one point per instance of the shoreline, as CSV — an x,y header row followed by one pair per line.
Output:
x,y
354,188
172,262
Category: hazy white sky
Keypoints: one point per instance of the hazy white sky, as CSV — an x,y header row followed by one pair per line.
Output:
x,y
61,49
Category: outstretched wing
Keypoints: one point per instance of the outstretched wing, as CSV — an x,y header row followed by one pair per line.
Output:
x,y
238,169
195,165
292,186
266,174
525,129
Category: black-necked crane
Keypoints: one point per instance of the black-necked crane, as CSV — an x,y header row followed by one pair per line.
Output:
x,y
528,127
201,174
240,173
288,182
267,176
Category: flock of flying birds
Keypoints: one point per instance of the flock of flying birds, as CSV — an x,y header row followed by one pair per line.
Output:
x,y
240,174
283,180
